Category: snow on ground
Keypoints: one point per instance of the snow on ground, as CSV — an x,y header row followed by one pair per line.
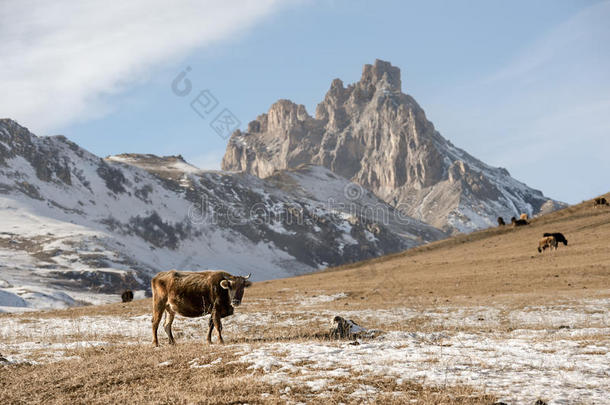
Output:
x,y
24,278
319,299
516,368
564,363
560,353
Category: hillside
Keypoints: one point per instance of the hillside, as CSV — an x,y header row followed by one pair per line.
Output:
x,y
475,318
491,265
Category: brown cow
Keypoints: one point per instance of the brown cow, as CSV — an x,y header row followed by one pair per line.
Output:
x,y
195,294
523,216
547,242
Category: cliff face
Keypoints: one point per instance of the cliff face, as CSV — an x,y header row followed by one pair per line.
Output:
x,y
373,134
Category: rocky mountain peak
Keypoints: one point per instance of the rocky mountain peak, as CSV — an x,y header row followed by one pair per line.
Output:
x,y
336,95
373,134
381,72
284,114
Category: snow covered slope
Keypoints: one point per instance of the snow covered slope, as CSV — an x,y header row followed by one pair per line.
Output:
x,y
78,229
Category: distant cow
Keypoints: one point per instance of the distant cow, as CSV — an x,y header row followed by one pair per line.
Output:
x,y
523,216
547,242
501,221
599,201
127,296
558,236
518,222
195,294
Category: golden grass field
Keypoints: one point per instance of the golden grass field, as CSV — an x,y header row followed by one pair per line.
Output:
x,y
473,319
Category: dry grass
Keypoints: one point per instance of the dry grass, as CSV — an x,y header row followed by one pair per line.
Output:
x,y
499,265
133,374
497,268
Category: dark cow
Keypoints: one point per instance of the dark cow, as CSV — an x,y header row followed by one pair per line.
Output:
x,y
127,296
558,236
599,201
195,294
518,222
501,221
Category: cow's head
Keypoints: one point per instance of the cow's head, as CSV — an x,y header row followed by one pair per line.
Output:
x,y
235,287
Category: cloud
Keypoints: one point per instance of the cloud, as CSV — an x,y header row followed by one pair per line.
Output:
x,y
60,58
580,36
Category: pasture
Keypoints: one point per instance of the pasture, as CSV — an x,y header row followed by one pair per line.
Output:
x,y
473,319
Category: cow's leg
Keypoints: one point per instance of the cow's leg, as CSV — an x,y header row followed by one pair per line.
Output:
x,y
210,329
158,308
218,326
167,325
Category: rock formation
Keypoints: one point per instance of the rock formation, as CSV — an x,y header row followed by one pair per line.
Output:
x,y
373,134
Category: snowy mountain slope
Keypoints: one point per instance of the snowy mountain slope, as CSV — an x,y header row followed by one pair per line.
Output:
x,y
76,228
379,137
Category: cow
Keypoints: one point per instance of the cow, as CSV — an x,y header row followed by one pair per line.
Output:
x,y
547,242
558,236
501,221
523,216
599,201
127,296
195,294
518,222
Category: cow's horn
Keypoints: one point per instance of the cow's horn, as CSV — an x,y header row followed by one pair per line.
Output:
x,y
248,276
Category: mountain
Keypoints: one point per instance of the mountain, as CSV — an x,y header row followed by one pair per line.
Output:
x,y
373,134
77,228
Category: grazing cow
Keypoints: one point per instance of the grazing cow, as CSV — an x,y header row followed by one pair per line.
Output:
x,y
547,242
127,296
501,221
518,222
195,294
523,216
558,236
599,201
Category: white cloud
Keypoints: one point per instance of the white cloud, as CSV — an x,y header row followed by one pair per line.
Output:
x,y
580,36
58,58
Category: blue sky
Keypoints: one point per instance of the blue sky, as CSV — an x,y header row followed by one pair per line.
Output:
x,y
522,84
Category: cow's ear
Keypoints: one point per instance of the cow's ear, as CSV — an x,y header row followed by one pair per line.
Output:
x,y
247,283
225,284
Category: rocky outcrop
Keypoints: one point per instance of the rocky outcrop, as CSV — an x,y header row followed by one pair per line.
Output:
x,y
375,135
